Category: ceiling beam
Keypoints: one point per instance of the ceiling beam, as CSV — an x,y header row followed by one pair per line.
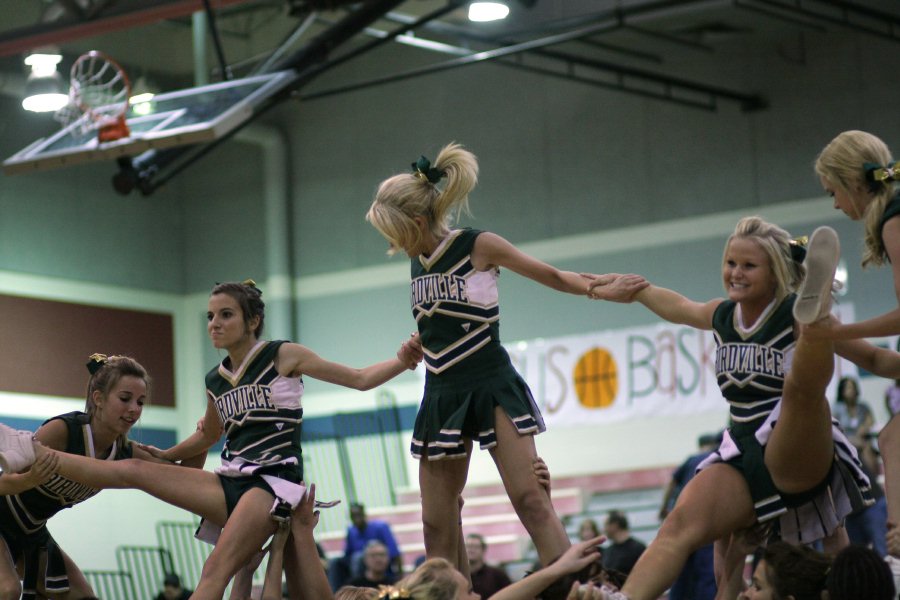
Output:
x,y
121,15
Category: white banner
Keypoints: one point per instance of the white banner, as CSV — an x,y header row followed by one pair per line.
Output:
x,y
629,373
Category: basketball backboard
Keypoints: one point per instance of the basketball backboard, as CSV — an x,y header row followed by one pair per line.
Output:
x,y
179,118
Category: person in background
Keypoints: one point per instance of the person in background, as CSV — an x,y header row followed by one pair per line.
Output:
x,y
892,398
361,531
172,589
376,563
486,580
624,551
788,572
859,573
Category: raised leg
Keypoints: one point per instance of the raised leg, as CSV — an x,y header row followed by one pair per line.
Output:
x,y
194,490
804,425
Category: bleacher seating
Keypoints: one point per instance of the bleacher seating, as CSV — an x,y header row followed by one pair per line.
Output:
x,y
487,510
112,584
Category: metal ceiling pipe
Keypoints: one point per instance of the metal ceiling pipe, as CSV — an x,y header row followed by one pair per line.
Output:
x,y
122,15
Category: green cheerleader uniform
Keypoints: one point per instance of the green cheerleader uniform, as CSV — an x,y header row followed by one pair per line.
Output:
x,y
468,371
261,413
751,366
24,516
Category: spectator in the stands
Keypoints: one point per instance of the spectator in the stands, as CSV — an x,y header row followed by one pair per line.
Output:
x,y
623,551
376,561
172,589
361,532
486,580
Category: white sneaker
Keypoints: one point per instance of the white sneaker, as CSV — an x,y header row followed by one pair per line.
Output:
x,y
16,449
894,563
814,296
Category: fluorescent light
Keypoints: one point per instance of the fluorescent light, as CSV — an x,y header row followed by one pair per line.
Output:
x,y
487,11
43,65
45,102
44,88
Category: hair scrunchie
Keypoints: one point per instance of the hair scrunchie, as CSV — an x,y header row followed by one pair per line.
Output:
x,y
423,170
798,248
389,592
878,175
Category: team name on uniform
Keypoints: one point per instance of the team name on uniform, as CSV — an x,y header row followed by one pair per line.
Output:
x,y
242,399
750,358
429,289
69,490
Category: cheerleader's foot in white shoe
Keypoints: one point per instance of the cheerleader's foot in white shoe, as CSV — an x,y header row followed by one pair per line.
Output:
x,y
894,563
16,449
814,296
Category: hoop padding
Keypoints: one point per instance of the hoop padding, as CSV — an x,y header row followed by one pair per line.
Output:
x,y
99,90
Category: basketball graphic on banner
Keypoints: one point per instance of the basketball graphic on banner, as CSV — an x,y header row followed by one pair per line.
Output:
x,y
596,379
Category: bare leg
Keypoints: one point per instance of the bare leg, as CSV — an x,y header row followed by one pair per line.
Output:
x,y
889,444
715,503
461,545
194,490
247,529
78,584
441,483
10,587
837,541
514,456
804,425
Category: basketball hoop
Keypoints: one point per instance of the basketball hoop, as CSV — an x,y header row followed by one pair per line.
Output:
x,y
98,97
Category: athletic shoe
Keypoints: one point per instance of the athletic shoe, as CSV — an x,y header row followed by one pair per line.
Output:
x,y
16,449
894,563
814,296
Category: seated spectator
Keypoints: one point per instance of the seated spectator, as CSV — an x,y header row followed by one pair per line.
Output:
x,y
172,589
624,550
587,530
486,580
858,573
787,571
375,562
361,532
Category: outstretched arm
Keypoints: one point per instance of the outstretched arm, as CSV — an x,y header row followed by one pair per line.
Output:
x,y
194,447
880,361
577,557
491,250
675,308
297,360
882,325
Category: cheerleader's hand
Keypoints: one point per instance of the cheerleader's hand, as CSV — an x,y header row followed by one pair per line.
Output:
x,y
616,288
893,540
411,352
153,451
42,469
542,472
827,328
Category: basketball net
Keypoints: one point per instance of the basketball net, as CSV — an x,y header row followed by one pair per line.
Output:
x,y
98,97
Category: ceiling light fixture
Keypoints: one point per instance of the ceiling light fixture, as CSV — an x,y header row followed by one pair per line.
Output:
x,y
44,90
487,11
